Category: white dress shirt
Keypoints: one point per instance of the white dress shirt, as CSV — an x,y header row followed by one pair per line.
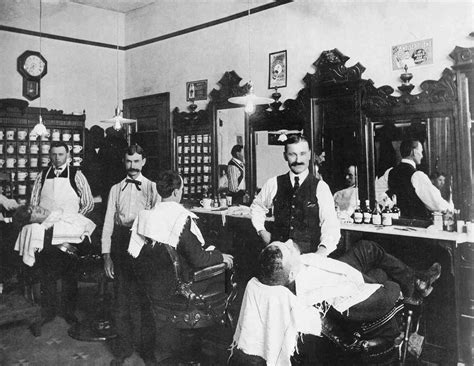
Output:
x,y
330,228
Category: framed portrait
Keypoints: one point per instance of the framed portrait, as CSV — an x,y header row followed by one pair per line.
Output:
x,y
277,68
196,90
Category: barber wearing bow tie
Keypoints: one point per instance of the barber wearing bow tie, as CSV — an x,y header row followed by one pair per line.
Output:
x,y
126,199
60,186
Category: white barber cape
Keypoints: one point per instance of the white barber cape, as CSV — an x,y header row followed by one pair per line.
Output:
x,y
272,317
163,224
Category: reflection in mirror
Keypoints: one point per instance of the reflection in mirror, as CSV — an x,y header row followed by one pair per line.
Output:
x,y
230,131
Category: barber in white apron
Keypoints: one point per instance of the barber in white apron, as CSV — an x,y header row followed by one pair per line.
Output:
x,y
59,261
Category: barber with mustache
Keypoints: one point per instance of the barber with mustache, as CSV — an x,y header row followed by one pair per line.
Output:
x,y
303,205
126,199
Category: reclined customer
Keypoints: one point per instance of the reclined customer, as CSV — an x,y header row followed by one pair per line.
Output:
x,y
362,286
49,239
168,227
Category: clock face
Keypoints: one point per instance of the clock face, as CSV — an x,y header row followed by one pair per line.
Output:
x,y
34,65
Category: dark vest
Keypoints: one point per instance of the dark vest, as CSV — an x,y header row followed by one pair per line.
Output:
x,y
297,213
241,176
399,183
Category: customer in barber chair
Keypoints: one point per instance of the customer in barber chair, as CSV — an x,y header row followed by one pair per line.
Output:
x,y
168,223
48,239
363,286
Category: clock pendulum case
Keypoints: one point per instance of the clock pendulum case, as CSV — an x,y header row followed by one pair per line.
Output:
x,y
32,66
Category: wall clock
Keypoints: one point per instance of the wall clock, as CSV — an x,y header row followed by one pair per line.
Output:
x,y
32,66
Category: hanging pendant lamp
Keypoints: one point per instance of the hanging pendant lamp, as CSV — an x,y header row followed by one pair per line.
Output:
x,y
117,120
250,100
40,128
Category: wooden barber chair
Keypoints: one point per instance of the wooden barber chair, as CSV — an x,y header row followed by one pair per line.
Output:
x,y
201,303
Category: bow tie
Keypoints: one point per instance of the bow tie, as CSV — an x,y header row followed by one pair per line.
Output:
x,y
136,182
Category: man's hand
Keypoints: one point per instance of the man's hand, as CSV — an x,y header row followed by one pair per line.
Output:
x,y
322,250
266,236
228,260
108,265
8,204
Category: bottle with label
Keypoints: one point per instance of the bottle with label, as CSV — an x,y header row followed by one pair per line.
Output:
x,y
387,216
358,215
395,209
367,213
246,198
377,215
448,221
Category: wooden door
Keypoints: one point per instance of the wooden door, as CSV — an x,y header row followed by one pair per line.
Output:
x,y
152,113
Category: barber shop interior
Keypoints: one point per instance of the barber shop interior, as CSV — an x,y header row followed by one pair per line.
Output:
x,y
236,182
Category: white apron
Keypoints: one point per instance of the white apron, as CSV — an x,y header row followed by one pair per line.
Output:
x,y
57,193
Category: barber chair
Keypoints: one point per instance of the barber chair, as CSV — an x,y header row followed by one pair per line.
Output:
x,y
201,303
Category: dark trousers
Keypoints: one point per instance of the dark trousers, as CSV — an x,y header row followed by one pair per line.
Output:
x,y
54,264
237,197
132,314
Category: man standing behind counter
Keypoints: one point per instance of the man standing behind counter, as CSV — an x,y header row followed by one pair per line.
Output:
x,y
236,174
126,199
416,195
303,205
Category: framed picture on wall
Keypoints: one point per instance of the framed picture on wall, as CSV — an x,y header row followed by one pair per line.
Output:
x,y
196,90
277,68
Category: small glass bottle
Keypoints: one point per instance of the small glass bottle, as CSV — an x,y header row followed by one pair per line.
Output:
x,y
395,209
367,212
387,216
377,215
358,215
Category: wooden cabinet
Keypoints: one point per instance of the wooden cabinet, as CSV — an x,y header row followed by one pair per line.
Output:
x,y
193,149
22,157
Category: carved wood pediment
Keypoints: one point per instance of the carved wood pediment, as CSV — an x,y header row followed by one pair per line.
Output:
x,y
189,119
434,95
229,87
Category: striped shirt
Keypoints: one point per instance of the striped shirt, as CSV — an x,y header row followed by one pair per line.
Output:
x,y
86,201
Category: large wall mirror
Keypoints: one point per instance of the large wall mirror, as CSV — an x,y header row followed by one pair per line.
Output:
x,y
229,126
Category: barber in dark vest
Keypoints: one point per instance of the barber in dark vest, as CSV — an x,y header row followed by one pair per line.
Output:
x,y
416,195
303,205
236,174
60,186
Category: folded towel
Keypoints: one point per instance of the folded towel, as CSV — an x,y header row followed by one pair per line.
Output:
x,y
29,240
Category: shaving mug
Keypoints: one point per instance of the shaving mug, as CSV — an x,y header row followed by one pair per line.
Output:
x,y
77,149
22,176
76,137
22,201
22,134
206,203
76,161
21,189
33,162
11,162
2,161
1,148
66,136
22,149
1,134
10,134
33,175
44,161
45,148
34,149
10,149
22,162
55,136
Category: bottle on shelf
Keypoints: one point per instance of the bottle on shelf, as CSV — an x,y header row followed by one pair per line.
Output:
x,y
395,209
367,212
246,198
377,215
358,215
387,216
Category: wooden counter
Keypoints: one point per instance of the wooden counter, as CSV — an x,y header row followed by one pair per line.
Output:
x,y
447,313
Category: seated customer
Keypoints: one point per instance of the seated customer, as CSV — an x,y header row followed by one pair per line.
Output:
x,y
361,286
168,223
46,239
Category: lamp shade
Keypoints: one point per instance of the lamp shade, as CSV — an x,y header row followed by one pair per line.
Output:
x,y
118,120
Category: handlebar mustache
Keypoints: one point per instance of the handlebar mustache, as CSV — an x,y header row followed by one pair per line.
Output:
x,y
296,164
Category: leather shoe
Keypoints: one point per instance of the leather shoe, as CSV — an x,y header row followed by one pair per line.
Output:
x,y
425,279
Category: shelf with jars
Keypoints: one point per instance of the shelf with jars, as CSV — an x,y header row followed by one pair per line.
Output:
x,y
23,155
